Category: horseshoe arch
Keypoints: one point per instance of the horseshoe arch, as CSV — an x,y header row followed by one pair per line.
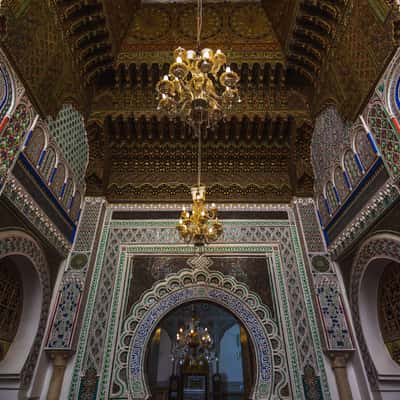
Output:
x,y
271,376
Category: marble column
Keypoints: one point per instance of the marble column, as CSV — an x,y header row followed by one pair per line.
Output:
x,y
60,360
339,365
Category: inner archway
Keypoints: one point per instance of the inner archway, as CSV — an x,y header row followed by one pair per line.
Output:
x,y
388,309
374,255
181,363
191,285
21,308
11,303
28,259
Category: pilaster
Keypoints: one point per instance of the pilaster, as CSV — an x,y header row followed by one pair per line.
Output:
x,y
328,298
67,314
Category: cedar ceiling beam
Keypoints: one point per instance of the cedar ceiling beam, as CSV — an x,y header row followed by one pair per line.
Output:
x,y
96,51
305,50
313,32
85,25
141,130
256,75
81,11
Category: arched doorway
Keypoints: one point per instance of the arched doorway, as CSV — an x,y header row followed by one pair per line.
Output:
x,y
21,254
271,379
20,304
200,349
371,307
11,304
389,309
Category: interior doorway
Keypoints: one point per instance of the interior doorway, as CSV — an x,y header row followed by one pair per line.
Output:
x,y
200,351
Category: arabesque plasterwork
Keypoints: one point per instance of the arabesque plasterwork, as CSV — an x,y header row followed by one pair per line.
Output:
x,y
118,237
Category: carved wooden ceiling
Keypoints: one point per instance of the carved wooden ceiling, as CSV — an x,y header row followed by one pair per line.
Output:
x,y
294,57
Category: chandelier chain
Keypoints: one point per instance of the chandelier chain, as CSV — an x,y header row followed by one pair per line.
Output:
x,y
199,21
200,87
199,158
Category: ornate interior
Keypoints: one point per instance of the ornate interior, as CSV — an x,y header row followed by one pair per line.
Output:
x,y
106,57
293,233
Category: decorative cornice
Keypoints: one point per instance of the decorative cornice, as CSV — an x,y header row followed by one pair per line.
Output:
x,y
178,206
374,209
23,202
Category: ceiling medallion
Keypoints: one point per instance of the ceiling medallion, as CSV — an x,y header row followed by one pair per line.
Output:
x,y
200,87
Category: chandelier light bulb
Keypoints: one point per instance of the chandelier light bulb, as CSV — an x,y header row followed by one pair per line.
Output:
x,y
165,78
228,69
179,60
206,53
190,55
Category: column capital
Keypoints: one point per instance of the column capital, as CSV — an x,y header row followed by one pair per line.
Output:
x,y
339,359
59,357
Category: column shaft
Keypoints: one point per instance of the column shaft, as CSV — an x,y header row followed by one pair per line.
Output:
x,y
339,366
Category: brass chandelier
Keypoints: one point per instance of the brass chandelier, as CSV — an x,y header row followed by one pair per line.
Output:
x,y
194,344
200,87
201,226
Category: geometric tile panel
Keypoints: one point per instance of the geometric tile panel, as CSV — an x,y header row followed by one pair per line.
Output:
x,y
310,227
12,137
341,184
329,139
364,149
386,136
351,167
62,329
69,132
333,315
87,227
